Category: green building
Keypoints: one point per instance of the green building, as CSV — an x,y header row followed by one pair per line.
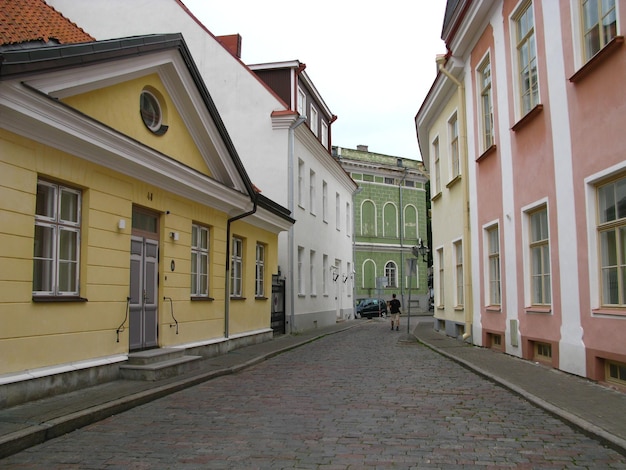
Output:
x,y
390,225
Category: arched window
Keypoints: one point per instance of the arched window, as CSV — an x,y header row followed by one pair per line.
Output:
x,y
391,272
369,274
390,221
410,222
368,219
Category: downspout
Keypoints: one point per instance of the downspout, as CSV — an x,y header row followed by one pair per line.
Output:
x,y
467,288
228,261
291,206
402,237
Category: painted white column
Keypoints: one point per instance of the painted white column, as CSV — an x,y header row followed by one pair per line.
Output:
x,y
571,347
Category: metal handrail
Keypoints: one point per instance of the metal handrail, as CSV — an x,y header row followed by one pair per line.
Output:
x,y
121,327
172,312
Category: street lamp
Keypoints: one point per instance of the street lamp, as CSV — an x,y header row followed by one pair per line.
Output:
x,y
421,250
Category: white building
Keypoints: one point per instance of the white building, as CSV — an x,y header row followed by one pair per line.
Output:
x,y
297,170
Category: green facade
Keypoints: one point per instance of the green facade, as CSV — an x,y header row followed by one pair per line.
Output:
x,y
390,217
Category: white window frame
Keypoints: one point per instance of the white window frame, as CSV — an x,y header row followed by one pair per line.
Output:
x,y
312,192
453,138
301,271
301,183
535,98
603,37
55,224
312,273
437,165
338,211
200,258
314,121
485,99
493,270
324,134
391,273
324,201
325,274
528,245
459,292
348,220
236,267
259,280
301,105
440,278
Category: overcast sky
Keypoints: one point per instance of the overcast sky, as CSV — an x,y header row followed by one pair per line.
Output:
x,y
372,62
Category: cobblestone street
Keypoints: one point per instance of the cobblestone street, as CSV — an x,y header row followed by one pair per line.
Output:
x,y
352,400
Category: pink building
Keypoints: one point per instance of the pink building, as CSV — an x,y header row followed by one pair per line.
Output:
x,y
545,102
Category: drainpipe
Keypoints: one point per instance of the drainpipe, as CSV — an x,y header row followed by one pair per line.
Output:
x,y
467,290
228,261
291,206
401,279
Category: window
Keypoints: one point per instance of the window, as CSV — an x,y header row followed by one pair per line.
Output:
x,y
314,120
57,240
325,272
151,111
389,180
312,193
615,372
458,273
301,102
599,25
324,201
453,129
368,219
259,281
348,220
301,183
440,277
199,261
338,211
493,252
236,268
436,166
542,352
313,286
486,107
540,258
324,137
526,59
391,274
612,236
300,270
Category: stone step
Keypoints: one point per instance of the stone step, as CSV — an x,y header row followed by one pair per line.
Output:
x,y
163,369
154,356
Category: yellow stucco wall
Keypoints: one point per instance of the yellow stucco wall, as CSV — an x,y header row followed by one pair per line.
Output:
x,y
447,214
118,107
39,334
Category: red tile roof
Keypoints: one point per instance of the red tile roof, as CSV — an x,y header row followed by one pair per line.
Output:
x,y
34,20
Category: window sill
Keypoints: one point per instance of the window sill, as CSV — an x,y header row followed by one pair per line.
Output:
x,y
453,181
530,115
537,309
260,297
57,298
459,308
613,312
197,298
597,59
436,196
490,151
441,307
493,308
238,298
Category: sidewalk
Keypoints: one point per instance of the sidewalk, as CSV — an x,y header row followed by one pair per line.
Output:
x,y
596,410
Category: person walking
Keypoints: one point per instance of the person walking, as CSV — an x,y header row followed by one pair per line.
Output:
x,y
394,312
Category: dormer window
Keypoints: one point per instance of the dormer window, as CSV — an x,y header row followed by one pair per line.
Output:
x,y
152,111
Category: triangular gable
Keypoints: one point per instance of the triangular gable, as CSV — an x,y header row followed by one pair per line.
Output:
x,y
35,82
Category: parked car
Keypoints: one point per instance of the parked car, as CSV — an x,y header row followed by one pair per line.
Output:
x,y
368,308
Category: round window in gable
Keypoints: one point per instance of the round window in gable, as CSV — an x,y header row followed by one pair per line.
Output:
x,y
152,112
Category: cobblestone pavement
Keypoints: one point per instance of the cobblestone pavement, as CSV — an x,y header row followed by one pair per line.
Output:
x,y
352,400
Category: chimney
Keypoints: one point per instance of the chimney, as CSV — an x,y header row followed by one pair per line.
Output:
x,y
362,148
232,43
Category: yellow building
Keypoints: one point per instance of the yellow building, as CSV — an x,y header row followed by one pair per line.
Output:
x,y
127,221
